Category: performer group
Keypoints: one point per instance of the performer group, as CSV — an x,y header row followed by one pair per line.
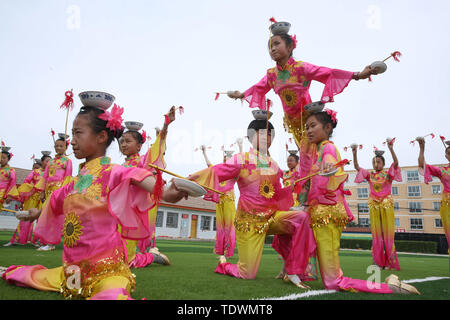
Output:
x,y
106,214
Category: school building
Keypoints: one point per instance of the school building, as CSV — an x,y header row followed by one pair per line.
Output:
x,y
416,204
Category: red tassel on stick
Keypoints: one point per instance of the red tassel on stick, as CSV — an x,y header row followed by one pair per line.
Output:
x,y
360,146
345,149
159,187
273,20
395,55
68,101
217,96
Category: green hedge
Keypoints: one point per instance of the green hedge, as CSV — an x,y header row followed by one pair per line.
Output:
x,y
400,245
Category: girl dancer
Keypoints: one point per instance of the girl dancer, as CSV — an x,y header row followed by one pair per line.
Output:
x,y
262,209
8,189
57,173
225,213
130,144
381,205
30,198
86,212
329,211
443,173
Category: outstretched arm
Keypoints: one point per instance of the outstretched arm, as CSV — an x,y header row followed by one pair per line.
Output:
x,y
168,119
421,153
208,163
394,156
355,158
171,194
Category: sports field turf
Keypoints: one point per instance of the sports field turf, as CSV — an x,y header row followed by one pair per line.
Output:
x,y
191,275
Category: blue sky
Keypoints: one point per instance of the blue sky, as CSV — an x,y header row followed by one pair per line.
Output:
x,y
155,54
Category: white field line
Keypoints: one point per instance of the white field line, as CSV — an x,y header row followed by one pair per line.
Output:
x,y
425,279
307,294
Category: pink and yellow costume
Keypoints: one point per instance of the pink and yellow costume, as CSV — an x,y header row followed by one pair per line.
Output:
x,y
86,213
291,83
225,215
154,155
382,220
443,173
262,209
58,173
8,188
329,213
289,177
30,198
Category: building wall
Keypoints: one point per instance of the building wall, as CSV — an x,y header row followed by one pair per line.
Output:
x,y
427,198
177,222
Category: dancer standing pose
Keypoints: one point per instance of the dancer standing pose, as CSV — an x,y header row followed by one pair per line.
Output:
x,y
443,174
30,198
225,213
381,205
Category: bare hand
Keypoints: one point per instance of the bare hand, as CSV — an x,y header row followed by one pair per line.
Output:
x,y
421,143
34,214
203,148
172,194
327,167
367,72
171,114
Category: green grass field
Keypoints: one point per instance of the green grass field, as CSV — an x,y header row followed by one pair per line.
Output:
x,y
191,275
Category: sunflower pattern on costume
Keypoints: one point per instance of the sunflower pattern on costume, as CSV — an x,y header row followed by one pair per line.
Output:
x,y
378,179
266,189
72,229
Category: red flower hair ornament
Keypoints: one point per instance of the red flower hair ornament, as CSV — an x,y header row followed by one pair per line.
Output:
x,y
332,114
113,118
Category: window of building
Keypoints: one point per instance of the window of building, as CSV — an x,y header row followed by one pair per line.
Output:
x,y
396,206
214,224
412,175
363,208
436,206
394,191
415,207
363,193
416,223
397,222
159,219
172,220
436,189
205,223
413,191
437,223
364,222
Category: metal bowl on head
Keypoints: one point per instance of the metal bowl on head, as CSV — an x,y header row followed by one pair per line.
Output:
x,y
261,114
447,143
280,27
379,153
5,149
61,136
314,107
46,153
228,153
293,152
379,66
96,99
134,125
